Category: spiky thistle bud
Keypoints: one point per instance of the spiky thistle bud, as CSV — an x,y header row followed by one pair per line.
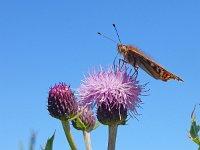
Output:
x,y
62,102
86,120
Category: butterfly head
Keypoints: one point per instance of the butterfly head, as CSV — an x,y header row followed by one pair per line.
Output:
x,y
121,48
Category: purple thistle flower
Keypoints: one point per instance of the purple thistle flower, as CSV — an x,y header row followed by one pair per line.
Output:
x,y
112,88
61,102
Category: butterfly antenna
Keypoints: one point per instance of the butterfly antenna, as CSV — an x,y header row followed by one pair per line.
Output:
x,y
106,37
117,33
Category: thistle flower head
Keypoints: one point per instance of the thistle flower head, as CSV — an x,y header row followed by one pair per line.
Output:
x,y
114,88
86,120
61,102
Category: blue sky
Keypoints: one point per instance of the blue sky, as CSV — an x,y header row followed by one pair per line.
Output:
x,y
43,42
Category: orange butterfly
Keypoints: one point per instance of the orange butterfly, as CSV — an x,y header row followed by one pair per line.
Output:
x,y
136,58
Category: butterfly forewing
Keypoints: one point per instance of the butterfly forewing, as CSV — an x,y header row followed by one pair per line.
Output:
x,y
136,58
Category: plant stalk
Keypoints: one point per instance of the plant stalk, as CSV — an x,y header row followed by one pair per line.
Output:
x,y
68,135
86,136
112,137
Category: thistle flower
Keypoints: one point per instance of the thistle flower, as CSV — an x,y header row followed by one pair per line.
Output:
x,y
87,118
115,92
61,102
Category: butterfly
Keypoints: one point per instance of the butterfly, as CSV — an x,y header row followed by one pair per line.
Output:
x,y
137,58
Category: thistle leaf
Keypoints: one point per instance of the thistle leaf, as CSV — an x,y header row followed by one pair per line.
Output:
x,y
49,144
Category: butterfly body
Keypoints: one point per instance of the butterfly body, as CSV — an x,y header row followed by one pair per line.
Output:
x,y
136,58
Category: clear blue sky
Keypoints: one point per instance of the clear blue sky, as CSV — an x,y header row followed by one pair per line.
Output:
x,y
43,42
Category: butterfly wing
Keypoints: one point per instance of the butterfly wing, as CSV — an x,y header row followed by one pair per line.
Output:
x,y
157,71
136,58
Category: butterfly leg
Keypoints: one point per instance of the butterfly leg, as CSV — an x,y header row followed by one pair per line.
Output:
x,y
135,71
123,62
135,67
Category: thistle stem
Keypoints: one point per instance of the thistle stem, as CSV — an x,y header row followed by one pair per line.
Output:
x,y
68,135
112,137
86,136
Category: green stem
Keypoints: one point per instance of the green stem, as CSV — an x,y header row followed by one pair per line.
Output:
x,y
112,137
87,140
68,135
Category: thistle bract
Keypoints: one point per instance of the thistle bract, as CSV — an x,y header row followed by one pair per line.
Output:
x,y
113,115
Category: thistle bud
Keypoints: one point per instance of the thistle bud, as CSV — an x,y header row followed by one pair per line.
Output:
x,y
62,102
86,120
